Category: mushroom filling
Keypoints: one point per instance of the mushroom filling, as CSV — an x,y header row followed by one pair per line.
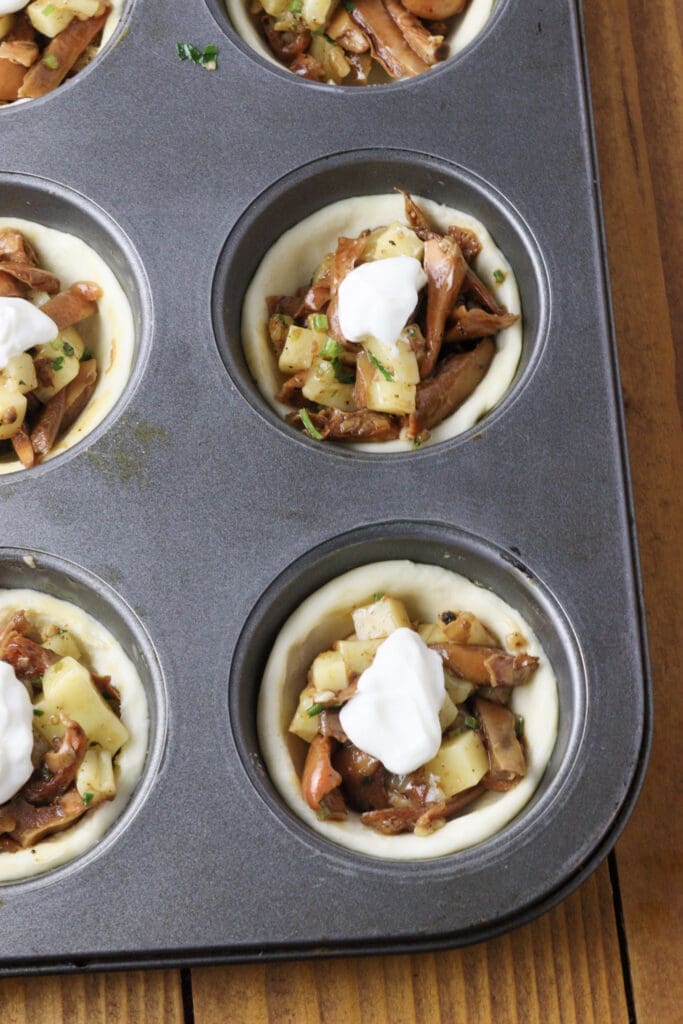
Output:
x,y
392,334
430,700
77,732
47,375
356,42
42,43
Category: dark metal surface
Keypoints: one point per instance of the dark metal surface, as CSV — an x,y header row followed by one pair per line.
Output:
x,y
211,521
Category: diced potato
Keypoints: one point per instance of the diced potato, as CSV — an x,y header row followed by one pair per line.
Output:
x,y
400,361
51,23
20,373
275,7
301,348
303,724
379,619
328,672
6,22
62,367
431,633
391,396
323,387
457,689
335,64
395,240
83,9
69,342
316,12
466,628
96,776
12,411
64,644
447,713
460,763
357,654
68,688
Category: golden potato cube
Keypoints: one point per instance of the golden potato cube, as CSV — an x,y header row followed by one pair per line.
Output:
x,y
357,654
399,361
316,12
304,725
96,776
64,369
63,643
447,713
391,396
51,23
395,240
83,9
379,619
328,672
432,633
466,628
12,411
70,342
300,349
20,373
334,63
275,7
322,386
457,689
69,690
460,763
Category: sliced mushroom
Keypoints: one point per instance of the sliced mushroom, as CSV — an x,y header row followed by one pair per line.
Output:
x,y
455,379
61,766
73,305
446,268
506,757
486,666
60,55
389,46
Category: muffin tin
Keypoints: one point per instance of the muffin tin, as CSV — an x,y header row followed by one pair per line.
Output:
x,y
193,521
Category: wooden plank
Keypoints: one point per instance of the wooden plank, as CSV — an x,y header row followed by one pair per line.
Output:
x,y
636,64
135,997
564,967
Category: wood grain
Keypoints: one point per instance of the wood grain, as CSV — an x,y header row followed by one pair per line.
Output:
x,y
639,112
134,998
564,967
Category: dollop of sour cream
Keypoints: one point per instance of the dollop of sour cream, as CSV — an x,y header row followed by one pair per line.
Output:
x,y
394,714
22,325
11,6
376,299
16,733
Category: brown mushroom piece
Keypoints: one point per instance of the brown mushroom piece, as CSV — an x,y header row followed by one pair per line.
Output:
x,y
388,44
486,666
61,766
60,55
319,779
363,778
35,823
28,659
506,757
78,393
430,48
435,10
44,433
468,324
446,268
73,305
455,379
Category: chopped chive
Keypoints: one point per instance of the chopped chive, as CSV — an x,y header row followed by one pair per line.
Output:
x,y
382,369
498,276
378,596
50,61
519,727
87,798
308,424
331,349
87,354
295,6
349,5
56,344
471,722
323,813
58,363
67,348
315,709
417,443
343,373
207,57
320,322
38,712
47,11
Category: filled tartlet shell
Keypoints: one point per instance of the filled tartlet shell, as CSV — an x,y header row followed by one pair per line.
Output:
x,y
463,28
103,655
292,260
326,616
109,333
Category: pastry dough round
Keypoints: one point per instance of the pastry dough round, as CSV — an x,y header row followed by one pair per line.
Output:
x,y
325,616
104,656
109,333
291,261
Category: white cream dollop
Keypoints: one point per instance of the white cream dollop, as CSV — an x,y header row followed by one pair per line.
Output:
x,y
394,714
22,325
16,733
11,6
376,299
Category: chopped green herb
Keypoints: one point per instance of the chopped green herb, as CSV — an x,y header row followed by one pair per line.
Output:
x,y
67,348
22,383
349,5
206,57
315,709
342,372
38,712
308,424
471,722
320,322
378,596
417,443
87,798
56,344
498,276
331,349
87,354
323,813
47,11
318,32
45,773
382,369
519,727
58,363
283,319
50,61
295,6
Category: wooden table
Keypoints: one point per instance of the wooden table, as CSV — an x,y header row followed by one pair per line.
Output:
x,y
609,953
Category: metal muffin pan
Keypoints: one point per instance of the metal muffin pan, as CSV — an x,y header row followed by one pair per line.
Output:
x,y
194,508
